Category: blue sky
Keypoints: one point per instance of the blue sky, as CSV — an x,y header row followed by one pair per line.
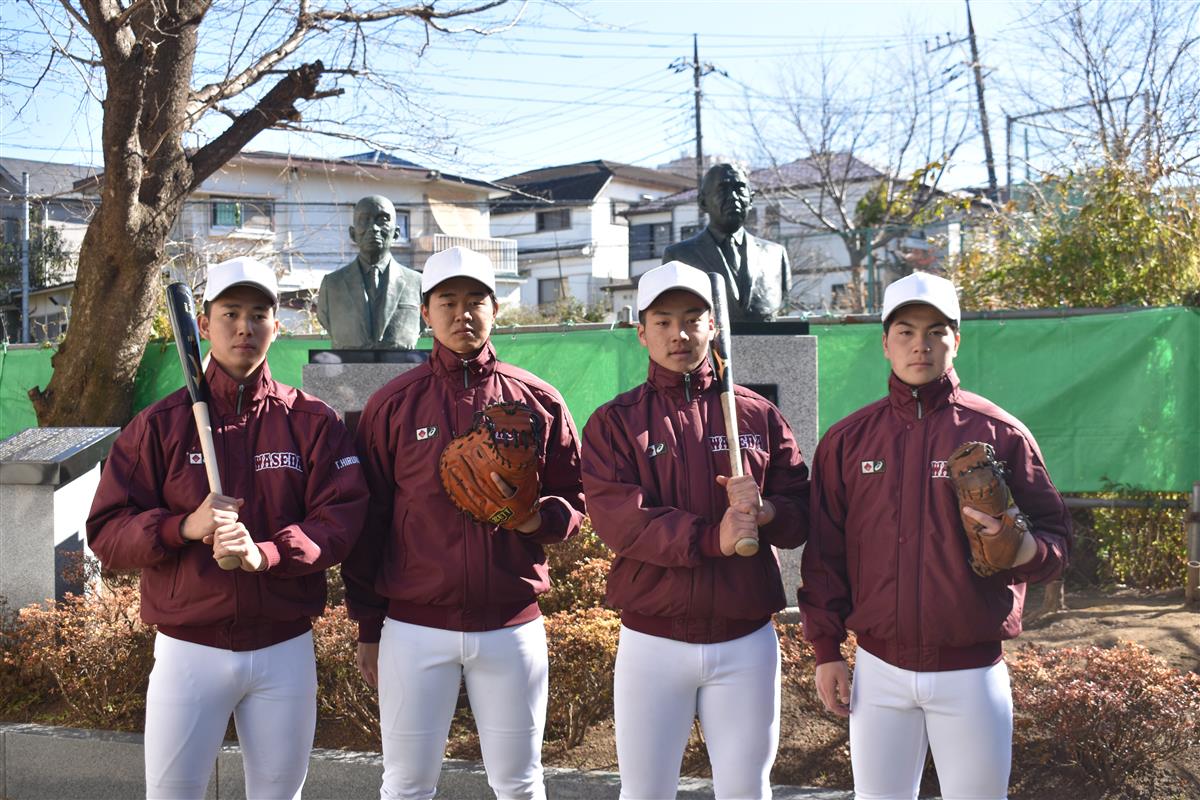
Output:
x,y
558,88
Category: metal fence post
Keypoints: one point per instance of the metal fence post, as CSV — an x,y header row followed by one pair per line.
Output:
x,y
1192,590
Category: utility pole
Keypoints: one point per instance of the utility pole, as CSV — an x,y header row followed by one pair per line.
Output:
x,y
699,70
25,258
983,119
696,92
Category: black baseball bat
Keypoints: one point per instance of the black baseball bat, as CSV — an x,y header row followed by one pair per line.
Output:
x,y
723,357
182,312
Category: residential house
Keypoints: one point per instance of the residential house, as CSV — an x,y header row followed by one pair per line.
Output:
x,y
58,217
820,261
294,213
572,237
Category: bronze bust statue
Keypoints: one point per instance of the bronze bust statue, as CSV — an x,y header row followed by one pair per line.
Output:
x,y
757,274
372,303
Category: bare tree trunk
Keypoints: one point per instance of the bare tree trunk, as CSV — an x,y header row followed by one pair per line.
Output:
x,y
1054,597
147,177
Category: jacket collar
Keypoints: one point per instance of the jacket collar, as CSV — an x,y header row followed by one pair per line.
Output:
x,y
932,396
671,382
224,390
449,365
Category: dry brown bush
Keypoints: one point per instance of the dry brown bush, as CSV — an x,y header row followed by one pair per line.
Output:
x,y
583,652
96,650
1113,712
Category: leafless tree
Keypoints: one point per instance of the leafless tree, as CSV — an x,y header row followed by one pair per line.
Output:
x,y
185,85
861,155
1126,72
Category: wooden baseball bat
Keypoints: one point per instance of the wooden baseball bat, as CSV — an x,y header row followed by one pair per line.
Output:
x,y
723,357
182,313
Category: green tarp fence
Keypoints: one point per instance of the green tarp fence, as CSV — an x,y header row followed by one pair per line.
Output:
x,y
1113,399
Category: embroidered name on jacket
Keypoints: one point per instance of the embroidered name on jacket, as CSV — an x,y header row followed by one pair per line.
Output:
x,y
748,441
937,469
278,461
342,463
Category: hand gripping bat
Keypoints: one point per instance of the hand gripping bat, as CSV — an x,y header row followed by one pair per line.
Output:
x,y
182,313
723,356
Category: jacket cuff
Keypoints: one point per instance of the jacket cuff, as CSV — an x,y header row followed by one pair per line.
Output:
x,y
370,630
1035,565
170,531
710,542
827,650
270,551
554,522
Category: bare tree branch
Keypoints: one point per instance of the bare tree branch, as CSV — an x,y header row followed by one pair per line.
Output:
x,y
277,105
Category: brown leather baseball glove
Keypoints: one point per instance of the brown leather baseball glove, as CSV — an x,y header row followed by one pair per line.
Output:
x,y
979,482
505,438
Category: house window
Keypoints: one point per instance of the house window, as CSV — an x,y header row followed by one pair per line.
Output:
x,y
243,213
839,296
688,231
648,241
551,290
771,222
402,226
557,220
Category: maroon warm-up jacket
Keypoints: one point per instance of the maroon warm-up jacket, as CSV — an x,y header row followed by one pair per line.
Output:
x,y
650,461
287,455
887,556
420,560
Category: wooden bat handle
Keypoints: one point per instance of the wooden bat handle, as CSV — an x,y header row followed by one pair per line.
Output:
x,y
209,452
747,545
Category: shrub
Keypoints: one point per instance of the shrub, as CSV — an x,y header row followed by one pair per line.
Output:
x,y
1114,712
79,642
578,572
21,685
342,694
1142,547
583,653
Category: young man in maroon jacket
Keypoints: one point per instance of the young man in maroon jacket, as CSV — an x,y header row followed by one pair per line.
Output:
x,y
696,632
237,642
888,559
438,596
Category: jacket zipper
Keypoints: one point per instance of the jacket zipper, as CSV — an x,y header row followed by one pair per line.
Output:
x,y
687,386
921,533
466,375
917,398
238,408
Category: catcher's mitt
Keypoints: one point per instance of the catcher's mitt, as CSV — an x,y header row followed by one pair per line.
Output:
x,y
504,438
979,481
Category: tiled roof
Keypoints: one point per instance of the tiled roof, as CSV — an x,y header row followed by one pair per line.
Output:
x,y
581,183
794,175
46,178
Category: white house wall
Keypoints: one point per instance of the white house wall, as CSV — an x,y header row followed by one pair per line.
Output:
x,y
314,211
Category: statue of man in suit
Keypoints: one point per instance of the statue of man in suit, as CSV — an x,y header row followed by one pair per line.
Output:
x,y
372,303
757,273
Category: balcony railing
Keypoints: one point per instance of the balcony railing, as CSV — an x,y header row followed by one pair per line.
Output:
x,y
502,252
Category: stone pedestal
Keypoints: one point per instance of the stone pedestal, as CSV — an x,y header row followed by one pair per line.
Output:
x,y
48,477
346,379
783,368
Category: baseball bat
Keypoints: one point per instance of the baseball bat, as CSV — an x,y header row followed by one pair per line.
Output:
x,y
182,313
723,356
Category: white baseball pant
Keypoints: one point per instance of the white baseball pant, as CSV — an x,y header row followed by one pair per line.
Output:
x,y
272,694
660,685
896,715
506,676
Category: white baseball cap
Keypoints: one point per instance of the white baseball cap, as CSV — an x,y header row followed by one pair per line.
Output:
x,y
921,287
241,271
673,275
458,262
